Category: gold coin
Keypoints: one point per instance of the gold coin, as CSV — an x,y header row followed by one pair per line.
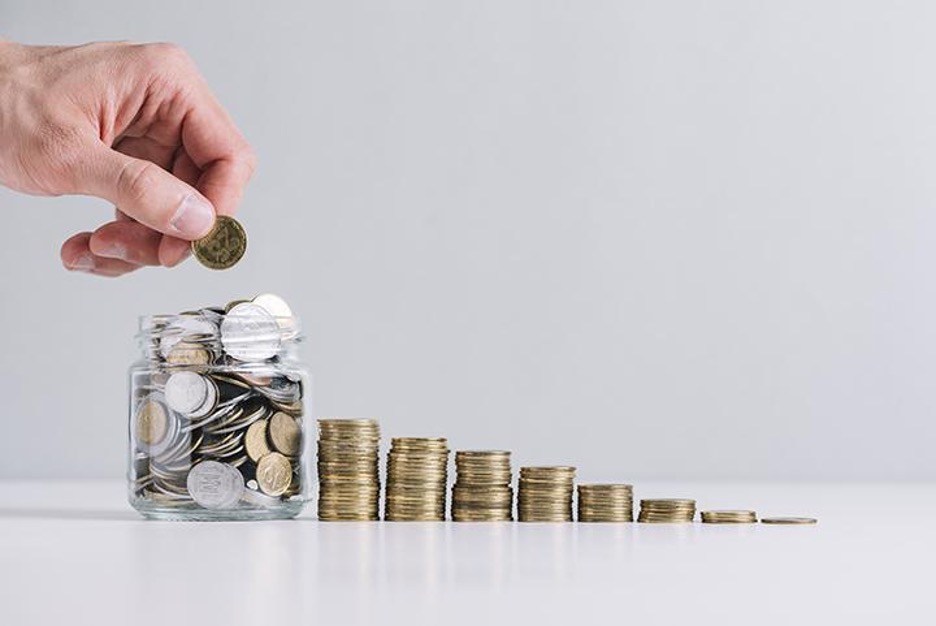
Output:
x,y
274,474
152,423
187,353
789,520
255,441
285,434
223,247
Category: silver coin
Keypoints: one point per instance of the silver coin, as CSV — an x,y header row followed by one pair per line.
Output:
x,y
215,485
191,394
278,308
258,499
249,333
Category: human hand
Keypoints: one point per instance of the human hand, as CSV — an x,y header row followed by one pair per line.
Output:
x,y
133,124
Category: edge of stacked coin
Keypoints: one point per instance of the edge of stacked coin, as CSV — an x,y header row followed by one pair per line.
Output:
x,y
667,511
729,517
545,494
417,479
482,490
348,469
606,503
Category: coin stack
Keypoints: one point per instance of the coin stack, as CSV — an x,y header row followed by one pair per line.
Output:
x,y
417,477
216,420
666,511
482,491
348,469
606,503
545,494
729,517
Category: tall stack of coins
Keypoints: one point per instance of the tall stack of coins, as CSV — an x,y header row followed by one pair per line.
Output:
x,y
417,477
545,494
729,517
606,503
482,491
348,466
216,418
667,511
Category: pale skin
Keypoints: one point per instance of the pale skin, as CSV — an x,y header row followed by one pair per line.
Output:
x,y
135,125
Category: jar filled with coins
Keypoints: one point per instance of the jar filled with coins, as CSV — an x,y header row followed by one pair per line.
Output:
x,y
218,406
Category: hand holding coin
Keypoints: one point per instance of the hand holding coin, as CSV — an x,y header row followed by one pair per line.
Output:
x,y
137,126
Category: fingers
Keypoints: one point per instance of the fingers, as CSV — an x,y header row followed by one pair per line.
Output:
x,y
77,256
218,149
127,241
173,251
147,193
137,244
148,149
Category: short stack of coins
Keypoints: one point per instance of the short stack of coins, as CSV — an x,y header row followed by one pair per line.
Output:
x,y
348,469
545,494
606,503
417,479
729,517
482,491
667,511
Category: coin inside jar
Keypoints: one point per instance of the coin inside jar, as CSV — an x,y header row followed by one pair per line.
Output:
x,y
249,333
152,422
215,485
285,434
191,394
255,441
274,474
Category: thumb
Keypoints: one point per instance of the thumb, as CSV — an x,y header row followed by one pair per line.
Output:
x,y
147,193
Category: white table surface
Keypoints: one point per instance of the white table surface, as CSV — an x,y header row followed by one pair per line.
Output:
x,y
75,553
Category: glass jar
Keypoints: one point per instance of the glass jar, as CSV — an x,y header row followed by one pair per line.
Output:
x,y
218,401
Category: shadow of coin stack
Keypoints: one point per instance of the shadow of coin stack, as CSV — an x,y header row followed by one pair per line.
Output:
x,y
667,511
348,466
545,494
606,503
417,479
482,491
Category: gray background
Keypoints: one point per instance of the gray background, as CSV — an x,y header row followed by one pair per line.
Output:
x,y
653,239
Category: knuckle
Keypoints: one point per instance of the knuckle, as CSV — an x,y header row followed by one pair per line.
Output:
x,y
162,58
134,181
170,54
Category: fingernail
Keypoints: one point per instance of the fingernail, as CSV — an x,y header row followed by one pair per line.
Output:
x,y
114,251
194,217
84,263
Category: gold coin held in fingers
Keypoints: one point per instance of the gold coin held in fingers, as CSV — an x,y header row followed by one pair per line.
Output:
x,y
224,246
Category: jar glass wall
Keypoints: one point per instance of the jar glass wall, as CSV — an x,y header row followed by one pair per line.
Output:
x,y
218,411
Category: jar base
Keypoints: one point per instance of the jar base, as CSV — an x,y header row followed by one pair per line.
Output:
x,y
287,510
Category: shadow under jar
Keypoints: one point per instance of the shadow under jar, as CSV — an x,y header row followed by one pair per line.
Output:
x,y
217,407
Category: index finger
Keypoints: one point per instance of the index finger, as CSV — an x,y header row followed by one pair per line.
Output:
x,y
219,150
